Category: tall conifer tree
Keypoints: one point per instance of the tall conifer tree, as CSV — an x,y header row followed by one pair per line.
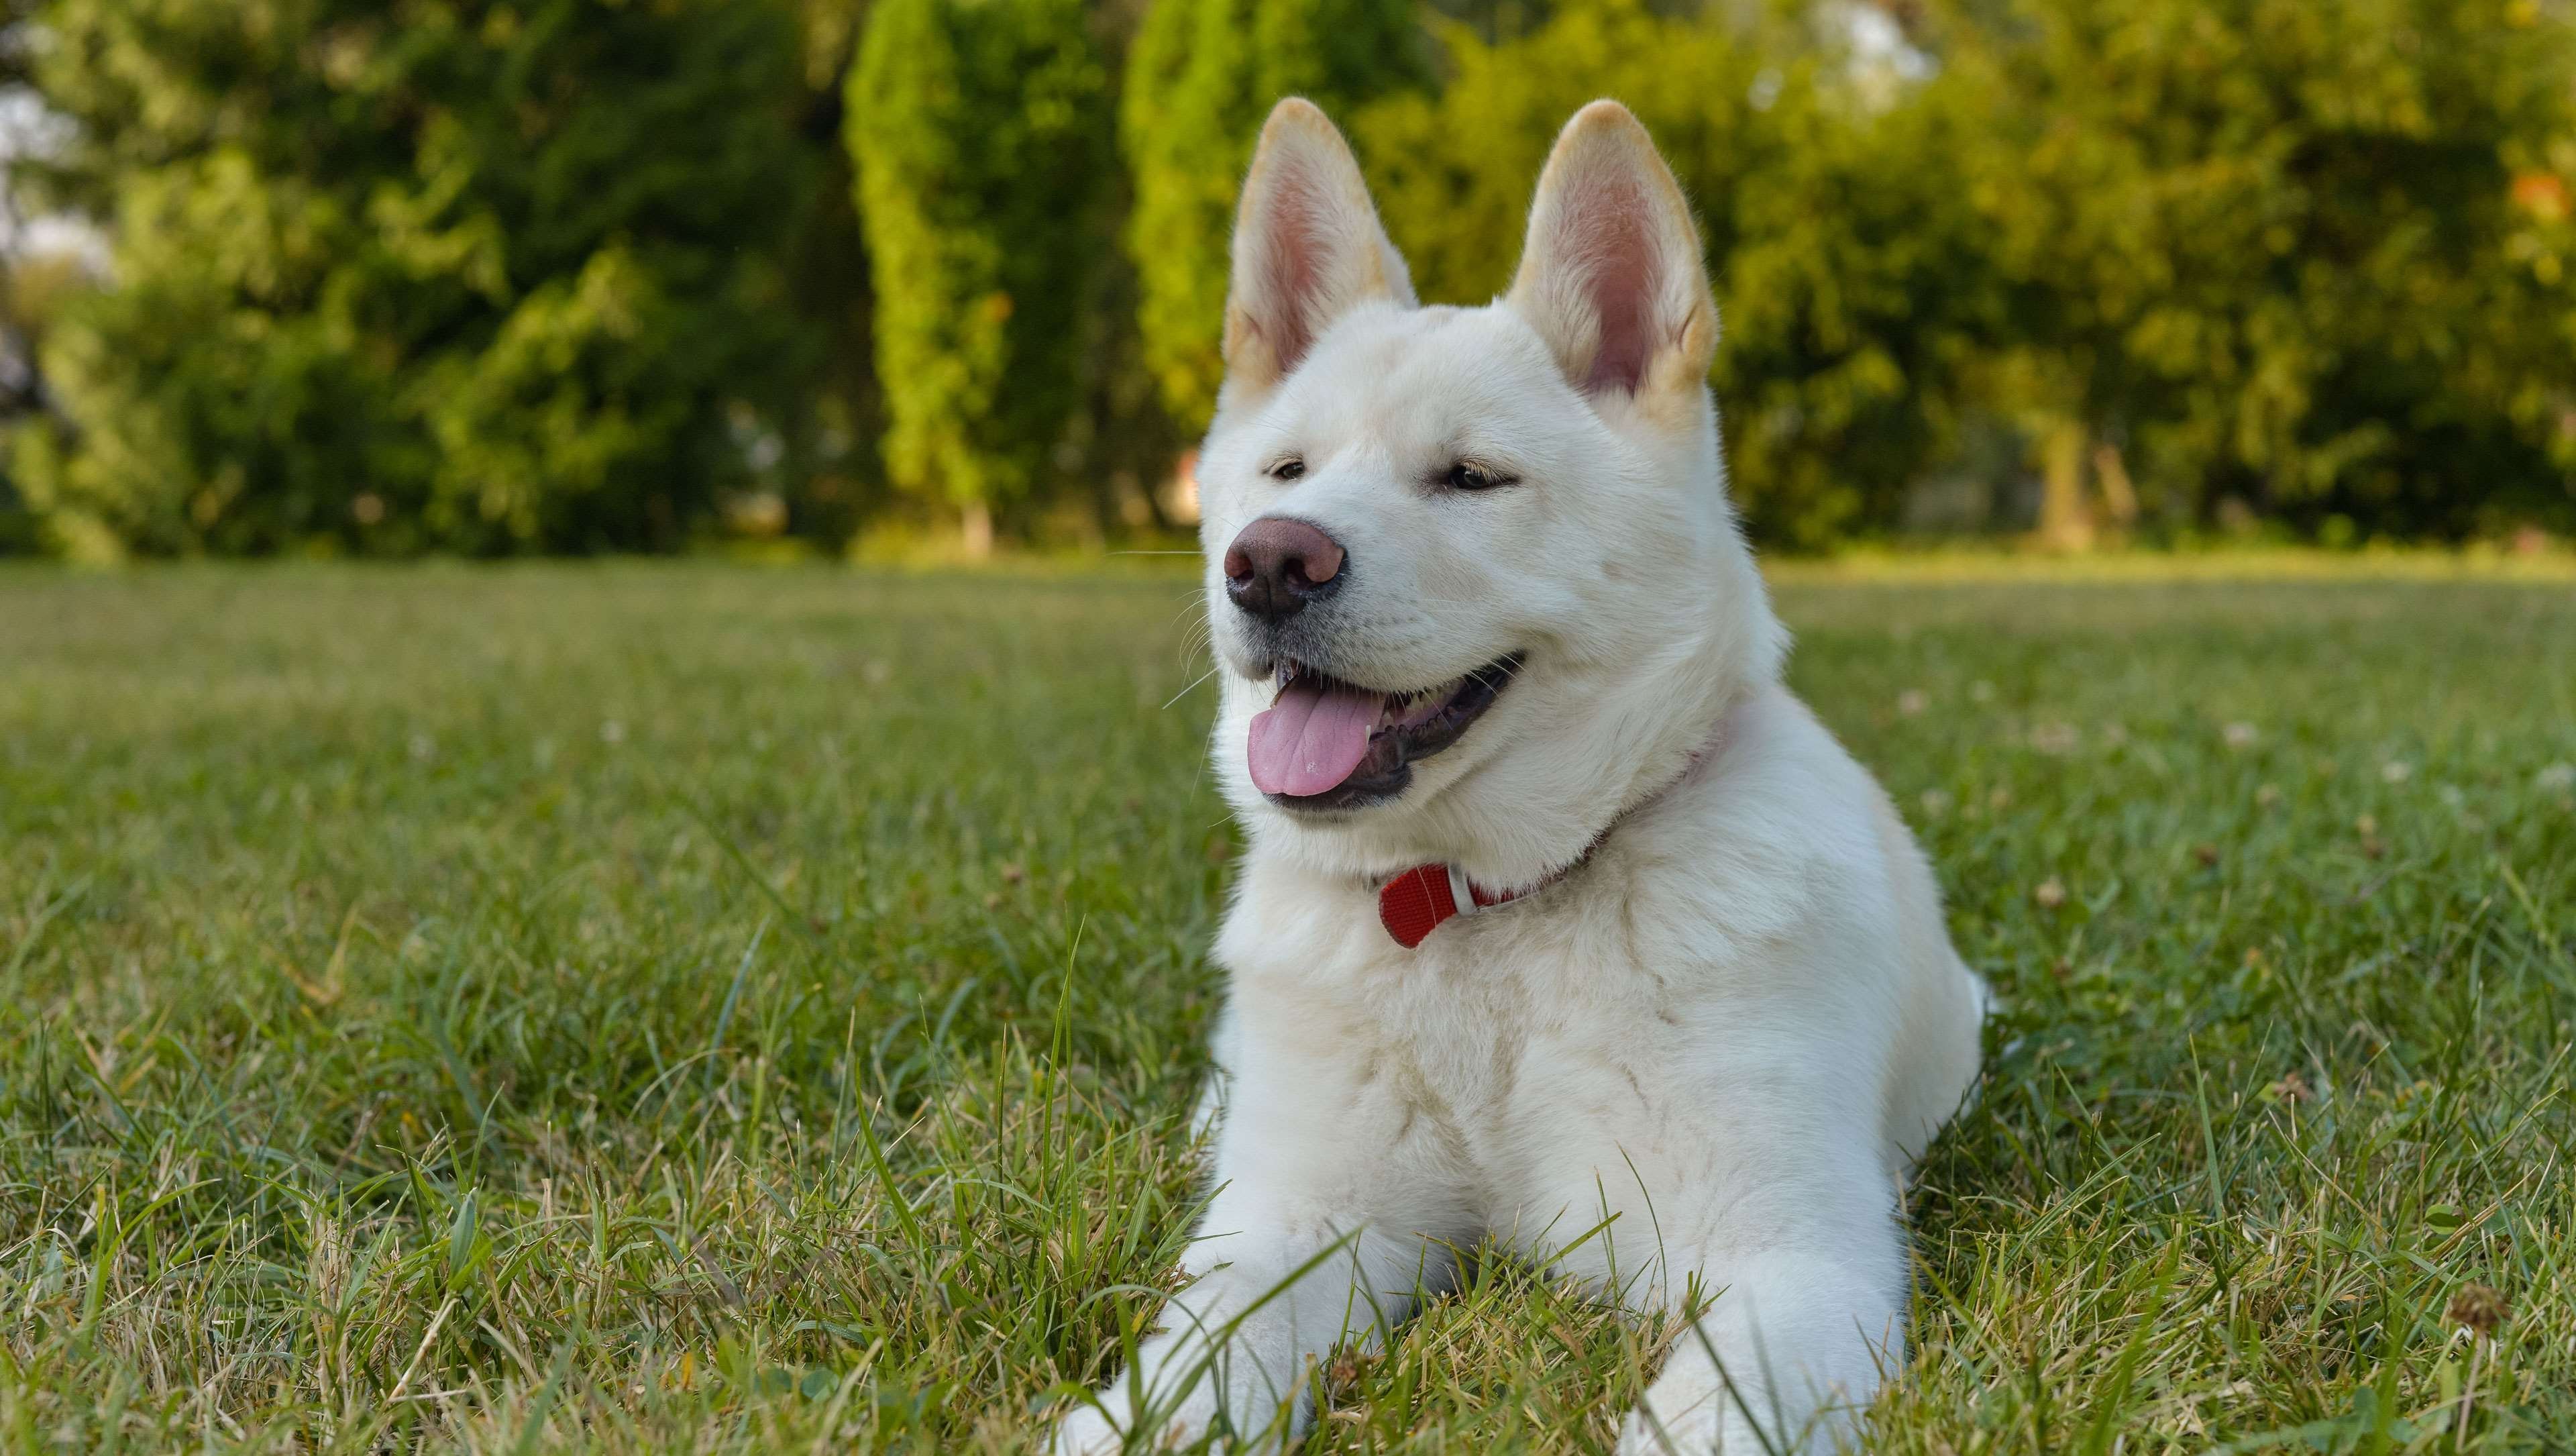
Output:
x,y
1201,77
981,130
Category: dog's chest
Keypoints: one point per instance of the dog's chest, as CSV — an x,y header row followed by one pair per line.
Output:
x,y
1485,1054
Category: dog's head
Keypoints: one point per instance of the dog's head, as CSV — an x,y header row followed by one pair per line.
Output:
x,y
1471,572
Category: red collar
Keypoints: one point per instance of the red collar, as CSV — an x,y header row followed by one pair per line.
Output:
x,y
1413,904
1423,898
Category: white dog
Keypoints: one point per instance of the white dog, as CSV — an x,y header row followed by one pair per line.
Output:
x,y
1558,907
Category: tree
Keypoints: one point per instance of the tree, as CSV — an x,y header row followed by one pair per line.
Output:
x,y
469,276
981,130
35,289
831,474
1202,75
2304,260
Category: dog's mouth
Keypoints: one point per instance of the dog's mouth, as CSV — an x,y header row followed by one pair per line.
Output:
x,y
1328,744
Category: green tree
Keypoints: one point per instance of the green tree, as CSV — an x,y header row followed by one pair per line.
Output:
x,y
2300,259
1200,78
832,476
1859,291
35,290
981,129
467,275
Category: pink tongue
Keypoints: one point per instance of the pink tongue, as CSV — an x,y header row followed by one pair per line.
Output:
x,y
1310,740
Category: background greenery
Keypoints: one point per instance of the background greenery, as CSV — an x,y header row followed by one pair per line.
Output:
x,y
630,1006
510,276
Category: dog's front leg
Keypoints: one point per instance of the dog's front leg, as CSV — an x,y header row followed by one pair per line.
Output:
x,y
1800,1322
1273,1287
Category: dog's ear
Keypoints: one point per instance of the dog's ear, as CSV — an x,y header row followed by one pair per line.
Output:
x,y
1307,247
1611,274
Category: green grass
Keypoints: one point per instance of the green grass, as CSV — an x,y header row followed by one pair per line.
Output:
x,y
706,1009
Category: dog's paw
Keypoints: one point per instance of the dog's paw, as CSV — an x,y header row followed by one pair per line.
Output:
x,y
1112,1426
1088,1431
1695,1432
1712,1426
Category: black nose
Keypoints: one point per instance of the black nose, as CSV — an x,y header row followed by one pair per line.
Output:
x,y
1276,566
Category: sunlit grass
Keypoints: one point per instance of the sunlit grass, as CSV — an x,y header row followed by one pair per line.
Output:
x,y
2005,561
661,1007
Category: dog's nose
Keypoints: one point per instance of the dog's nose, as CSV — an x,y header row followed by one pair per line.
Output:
x,y
1277,565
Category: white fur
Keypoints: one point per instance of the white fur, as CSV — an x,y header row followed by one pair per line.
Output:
x,y
1729,1030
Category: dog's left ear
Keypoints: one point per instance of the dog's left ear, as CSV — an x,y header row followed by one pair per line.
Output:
x,y
1611,275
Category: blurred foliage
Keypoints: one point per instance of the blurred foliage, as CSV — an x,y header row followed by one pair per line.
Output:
x,y
1202,75
34,291
2308,257
2264,255
574,274
982,131
473,276
829,476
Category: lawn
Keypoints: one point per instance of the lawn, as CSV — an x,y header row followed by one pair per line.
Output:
x,y
701,1008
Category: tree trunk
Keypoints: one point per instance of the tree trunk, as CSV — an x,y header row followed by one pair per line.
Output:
x,y
979,531
2064,523
2119,497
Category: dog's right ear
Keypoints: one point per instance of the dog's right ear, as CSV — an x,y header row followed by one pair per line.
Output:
x,y
1307,247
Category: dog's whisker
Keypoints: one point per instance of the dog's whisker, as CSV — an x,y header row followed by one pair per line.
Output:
x,y
1185,692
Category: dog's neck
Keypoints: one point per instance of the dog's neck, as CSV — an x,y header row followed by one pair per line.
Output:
x,y
1658,786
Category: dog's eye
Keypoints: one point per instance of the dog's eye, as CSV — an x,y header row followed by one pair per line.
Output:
x,y
1468,475
1288,469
